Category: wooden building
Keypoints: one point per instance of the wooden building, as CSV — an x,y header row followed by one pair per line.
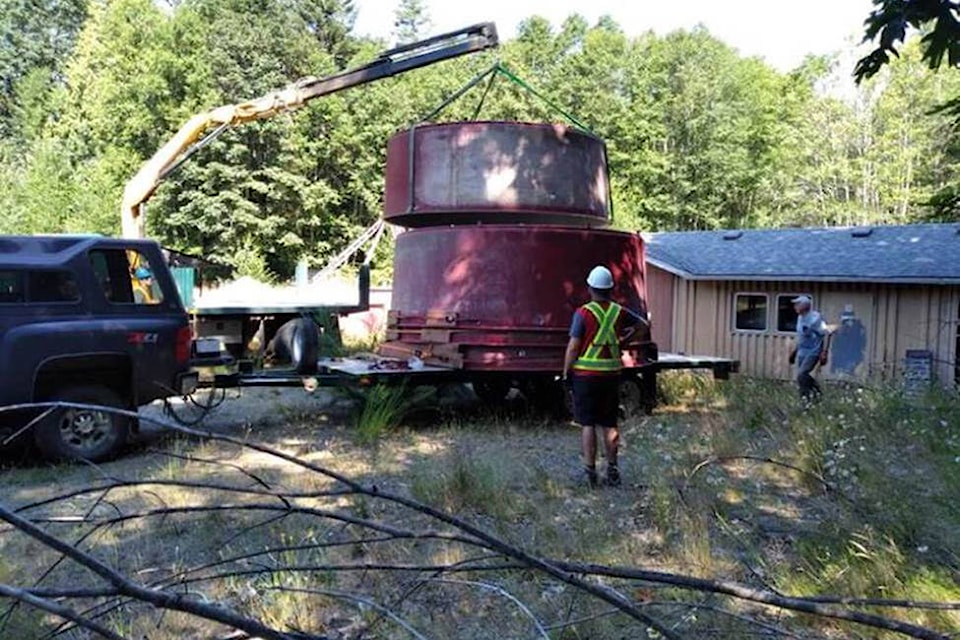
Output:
x,y
890,294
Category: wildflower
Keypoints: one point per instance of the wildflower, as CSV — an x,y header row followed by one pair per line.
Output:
x,y
923,548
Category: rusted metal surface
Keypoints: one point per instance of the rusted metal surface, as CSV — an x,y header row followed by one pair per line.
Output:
x,y
496,172
501,297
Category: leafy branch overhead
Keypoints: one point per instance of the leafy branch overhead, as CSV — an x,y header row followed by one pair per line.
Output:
x,y
891,21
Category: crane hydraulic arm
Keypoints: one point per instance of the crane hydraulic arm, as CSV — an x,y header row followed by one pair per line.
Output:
x,y
203,128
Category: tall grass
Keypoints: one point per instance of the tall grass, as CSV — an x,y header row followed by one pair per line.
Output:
x,y
383,409
888,523
460,482
895,460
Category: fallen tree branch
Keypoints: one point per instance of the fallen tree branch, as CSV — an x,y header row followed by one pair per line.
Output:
x,y
30,425
339,516
762,460
571,573
503,592
492,542
342,595
185,484
744,592
339,568
125,586
57,609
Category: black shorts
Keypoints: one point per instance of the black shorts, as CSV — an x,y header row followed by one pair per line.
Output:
x,y
596,400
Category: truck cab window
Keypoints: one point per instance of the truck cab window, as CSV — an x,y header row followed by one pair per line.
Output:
x,y
125,277
11,287
52,286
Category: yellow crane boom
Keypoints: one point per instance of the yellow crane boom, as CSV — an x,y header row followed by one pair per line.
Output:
x,y
203,128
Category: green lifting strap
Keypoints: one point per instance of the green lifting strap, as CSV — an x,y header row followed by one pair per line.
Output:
x,y
502,69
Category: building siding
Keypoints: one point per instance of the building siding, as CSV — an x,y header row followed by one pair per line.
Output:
x,y
660,296
882,323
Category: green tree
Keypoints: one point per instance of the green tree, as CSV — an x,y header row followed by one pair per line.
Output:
x,y
36,36
252,192
411,20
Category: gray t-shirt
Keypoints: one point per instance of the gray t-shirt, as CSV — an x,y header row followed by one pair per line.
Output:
x,y
811,330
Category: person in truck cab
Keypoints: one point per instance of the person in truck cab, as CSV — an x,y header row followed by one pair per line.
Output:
x,y
143,286
598,330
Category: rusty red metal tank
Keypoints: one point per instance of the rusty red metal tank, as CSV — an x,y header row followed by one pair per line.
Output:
x,y
496,172
501,297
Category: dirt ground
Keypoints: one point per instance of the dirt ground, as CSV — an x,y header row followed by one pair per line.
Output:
x,y
727,484
258,407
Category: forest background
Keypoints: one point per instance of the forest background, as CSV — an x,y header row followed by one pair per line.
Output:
x,y
699,137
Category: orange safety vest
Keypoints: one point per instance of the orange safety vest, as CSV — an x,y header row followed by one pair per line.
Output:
x,y
592,358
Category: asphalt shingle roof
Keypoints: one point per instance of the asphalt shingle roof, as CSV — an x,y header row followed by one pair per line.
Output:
x,y
918,253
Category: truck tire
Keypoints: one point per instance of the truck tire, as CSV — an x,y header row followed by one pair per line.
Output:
x,y
297,342
83,434
631,398
549,397
493,392
305,346
636,399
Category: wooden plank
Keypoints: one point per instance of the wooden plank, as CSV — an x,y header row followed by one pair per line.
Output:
x,y
442,319
441,336
448,354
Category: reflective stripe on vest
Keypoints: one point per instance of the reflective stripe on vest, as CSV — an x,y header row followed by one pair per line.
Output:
x,y
605,337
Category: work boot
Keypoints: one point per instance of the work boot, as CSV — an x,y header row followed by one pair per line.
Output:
x,y
613,476
590,477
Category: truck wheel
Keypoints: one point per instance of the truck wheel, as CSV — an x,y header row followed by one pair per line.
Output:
x,y
83,434
297,342
548,397
635,399
305,346
492,393
631,398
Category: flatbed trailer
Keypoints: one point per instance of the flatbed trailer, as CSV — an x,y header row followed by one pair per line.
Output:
x,y
638,391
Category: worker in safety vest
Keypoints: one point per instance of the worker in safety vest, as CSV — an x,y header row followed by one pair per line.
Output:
x,y
593,358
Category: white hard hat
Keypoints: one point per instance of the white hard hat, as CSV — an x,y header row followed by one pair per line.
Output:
x,y
600,278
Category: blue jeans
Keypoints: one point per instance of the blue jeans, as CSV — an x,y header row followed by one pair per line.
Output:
x,y
805,380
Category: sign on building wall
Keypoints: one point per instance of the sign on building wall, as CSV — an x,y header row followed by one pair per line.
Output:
x,y
918,370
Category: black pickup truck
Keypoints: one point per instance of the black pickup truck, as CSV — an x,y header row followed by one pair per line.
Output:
x,y
89,320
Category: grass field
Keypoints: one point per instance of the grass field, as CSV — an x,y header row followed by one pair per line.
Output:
x,y
855,497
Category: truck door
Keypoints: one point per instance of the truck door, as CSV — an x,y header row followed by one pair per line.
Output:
x,y
150,324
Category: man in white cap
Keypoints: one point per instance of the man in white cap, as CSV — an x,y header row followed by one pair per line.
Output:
x,y
811,348
593,357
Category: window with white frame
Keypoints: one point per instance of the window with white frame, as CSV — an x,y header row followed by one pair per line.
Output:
x,y
750,312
